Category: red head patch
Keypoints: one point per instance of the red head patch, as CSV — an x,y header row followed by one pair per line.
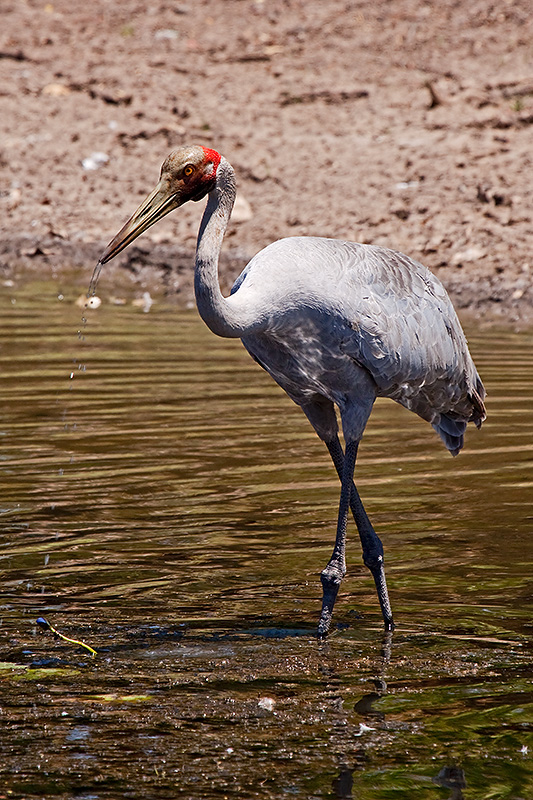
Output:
x,y
212,155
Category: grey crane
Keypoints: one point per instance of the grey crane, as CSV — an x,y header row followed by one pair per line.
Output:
x,y
334,323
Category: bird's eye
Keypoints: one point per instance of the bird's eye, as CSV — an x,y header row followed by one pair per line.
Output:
x,y
188,170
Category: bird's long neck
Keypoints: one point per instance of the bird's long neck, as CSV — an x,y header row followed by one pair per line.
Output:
x,y
216,310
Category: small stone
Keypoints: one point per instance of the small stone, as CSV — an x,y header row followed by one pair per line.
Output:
x,y
56,90
145,302
267,703
166,33
95,161
242,210
473,253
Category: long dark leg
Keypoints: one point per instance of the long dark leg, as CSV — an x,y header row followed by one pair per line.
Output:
x,y
335,570
370,541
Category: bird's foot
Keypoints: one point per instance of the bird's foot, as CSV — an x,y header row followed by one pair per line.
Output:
x,y
331,578
374,562
323,625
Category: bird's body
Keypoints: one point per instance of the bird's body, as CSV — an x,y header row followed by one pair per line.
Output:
x,y
335,324
354,309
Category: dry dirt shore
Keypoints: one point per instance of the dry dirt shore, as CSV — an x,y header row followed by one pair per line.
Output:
x,y
407,124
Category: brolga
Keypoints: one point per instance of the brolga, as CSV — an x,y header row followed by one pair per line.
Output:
x,y
336,324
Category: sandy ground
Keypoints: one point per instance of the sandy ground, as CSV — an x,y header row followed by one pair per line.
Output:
x,y
405,123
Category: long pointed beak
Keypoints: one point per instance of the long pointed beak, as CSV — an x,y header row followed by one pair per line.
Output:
x,y
156,206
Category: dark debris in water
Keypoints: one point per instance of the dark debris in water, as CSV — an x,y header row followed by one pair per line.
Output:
x,y
207,713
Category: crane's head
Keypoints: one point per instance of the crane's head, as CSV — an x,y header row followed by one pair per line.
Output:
x,y
189,173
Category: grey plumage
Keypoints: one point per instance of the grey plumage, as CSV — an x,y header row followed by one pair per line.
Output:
x,y
351,305
336,324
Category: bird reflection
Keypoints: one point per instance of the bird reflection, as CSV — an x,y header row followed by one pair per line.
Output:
x,y
342,785
452,778
364,705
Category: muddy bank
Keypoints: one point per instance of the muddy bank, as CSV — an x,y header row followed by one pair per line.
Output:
x,y
406,125
166,272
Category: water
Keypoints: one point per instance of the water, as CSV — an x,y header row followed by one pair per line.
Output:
x,y
169,506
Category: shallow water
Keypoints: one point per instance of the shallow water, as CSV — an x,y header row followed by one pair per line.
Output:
x,y
163,501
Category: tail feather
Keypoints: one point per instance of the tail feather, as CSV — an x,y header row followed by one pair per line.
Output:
x,y
451,428
452,432
479,413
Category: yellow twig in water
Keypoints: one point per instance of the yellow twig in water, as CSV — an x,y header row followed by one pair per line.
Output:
x,y
45,625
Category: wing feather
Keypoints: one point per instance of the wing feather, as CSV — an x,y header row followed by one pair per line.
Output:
x,y
382,309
